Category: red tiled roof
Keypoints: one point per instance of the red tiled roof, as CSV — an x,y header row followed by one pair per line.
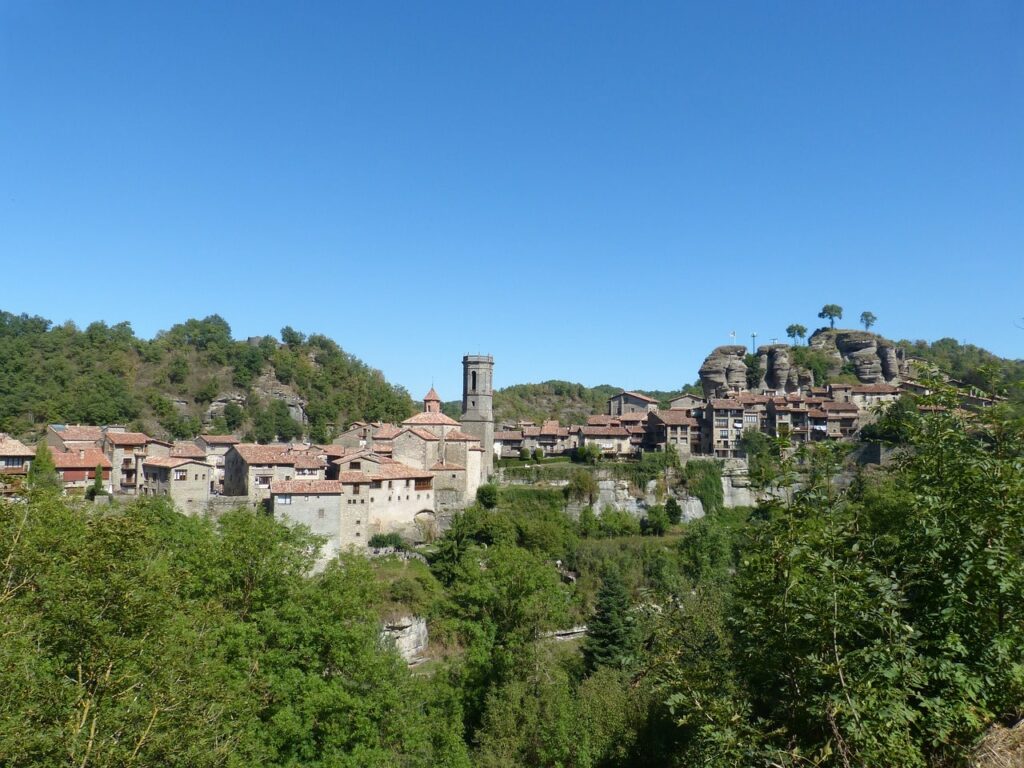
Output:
x,y
596,431
170,462
252,453
9,446
601,420
432,419
508,434
422,434
382,448
635,416
432,396
439,467
306,461
78,432
184,449
219,439
531,432
458,436
677,417
128,438
80,458
817,413
386,432
876,389
550,427
318,487
634,394
731,405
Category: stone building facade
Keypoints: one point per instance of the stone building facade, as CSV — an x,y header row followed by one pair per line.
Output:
x,y
186,481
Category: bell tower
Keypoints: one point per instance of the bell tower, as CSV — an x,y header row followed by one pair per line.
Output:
x,y
477,410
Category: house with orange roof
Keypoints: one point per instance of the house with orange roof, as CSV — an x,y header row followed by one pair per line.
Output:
x,y
250,469
77,468
184,479
127,451
15,456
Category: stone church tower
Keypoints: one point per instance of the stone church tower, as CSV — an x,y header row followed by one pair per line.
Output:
x,y
477,411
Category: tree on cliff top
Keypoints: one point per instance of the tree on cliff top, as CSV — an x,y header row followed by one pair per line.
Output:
x,y
795,331
832,312
868,319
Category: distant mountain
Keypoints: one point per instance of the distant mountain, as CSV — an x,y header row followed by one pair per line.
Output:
x,y
194,377
568,402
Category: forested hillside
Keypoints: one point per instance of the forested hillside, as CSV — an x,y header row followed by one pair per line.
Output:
x,y
876,625
568,402
190,378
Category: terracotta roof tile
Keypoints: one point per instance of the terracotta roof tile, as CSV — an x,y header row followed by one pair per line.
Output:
x,y
731,405
252,453
170,462
128,438
601,420
508,434
876,389
78,432
634,394
593,431
386,432
458,436
676,417
220,439
439,467
431,419
80,458
184,449
9,446
309,487
432,396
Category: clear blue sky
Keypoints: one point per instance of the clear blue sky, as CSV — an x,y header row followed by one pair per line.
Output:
x,y
589,191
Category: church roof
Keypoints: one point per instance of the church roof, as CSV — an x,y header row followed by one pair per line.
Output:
x,y
432,396
428,418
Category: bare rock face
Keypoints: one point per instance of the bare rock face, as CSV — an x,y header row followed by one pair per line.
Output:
x,y
268,387
724,370
408,635
873,358
777,368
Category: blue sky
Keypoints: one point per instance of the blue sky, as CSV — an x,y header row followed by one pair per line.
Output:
x,y
589,191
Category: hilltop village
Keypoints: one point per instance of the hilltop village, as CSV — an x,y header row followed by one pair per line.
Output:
x,y
409,477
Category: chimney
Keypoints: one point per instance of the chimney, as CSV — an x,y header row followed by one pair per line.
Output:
x,y
81,453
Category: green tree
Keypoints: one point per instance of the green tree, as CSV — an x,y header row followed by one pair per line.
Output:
x,y
524,454
796,331
868,319
831,312
487,495
673,511
656,522
538,454
612,636
96,489
583,487
42,473
233,416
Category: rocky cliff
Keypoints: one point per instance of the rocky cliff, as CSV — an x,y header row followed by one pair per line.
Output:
x,y
870,358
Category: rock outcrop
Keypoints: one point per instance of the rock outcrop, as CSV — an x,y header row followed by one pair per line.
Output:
x,y
724,370
408,635
873,359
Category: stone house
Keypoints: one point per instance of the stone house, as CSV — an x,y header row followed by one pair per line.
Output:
x,y
350,510
249,469
186,481
508,443
612,440
686,403
77,468
867,396
127,451
15,456
723,427
215,447
673,429
630,402
67,437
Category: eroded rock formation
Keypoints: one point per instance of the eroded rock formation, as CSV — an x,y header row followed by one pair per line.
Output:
x,y
724,370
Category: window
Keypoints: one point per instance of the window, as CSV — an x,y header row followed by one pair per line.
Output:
x,y
355,489
285,499
356,465
375,483
180,474
320,513
723,434
721,422
263,481
358,522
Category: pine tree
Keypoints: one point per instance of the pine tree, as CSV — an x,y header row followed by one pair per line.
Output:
x,y
42,474
611,633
